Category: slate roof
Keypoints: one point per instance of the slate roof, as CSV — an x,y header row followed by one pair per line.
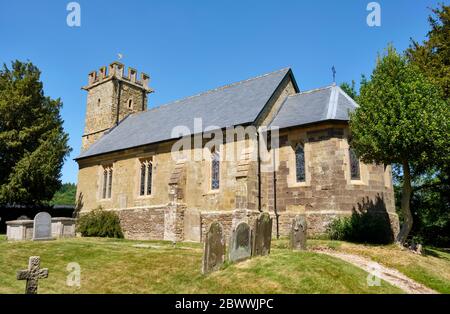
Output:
x,y
230,105
328,103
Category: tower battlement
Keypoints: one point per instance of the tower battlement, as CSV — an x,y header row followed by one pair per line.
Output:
x,y
116,70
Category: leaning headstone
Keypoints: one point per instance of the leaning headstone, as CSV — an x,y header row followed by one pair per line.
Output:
x,y
42,227
298,233
240,243
214,249
262,235
32,274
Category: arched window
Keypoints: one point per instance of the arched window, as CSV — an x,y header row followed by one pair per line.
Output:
x,y
215,170
354,165
107,181
146,177
300,164
130,103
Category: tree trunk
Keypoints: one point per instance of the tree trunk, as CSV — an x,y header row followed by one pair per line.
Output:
x,y
406,204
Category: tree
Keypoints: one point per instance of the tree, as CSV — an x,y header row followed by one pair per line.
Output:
x,y
402,119
433,56
66,195
33,144
350,89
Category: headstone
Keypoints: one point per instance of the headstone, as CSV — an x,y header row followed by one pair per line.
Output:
x,y
214,249
42,227
240,243
262,235
32,274
298,233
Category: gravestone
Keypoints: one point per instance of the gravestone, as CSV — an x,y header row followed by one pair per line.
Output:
x,y
42,227
240,243
214,248
298,233
32,274
262,235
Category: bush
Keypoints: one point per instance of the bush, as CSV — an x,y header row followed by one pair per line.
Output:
x,y
362,228
100,223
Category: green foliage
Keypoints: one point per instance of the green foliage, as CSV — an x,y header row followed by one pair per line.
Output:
x,y
33,144
433,55
350,90
361,228
430,207
401,116
99,223
65,195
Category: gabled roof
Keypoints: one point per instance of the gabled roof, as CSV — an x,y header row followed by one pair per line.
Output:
x,y
328,103
230,105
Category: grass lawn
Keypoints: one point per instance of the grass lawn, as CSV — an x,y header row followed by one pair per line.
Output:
x,y
432,269
115,266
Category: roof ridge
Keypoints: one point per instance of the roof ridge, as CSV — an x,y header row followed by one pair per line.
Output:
x,y
209,91
312,90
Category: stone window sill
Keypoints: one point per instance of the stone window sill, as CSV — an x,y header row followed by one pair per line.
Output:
x,y
357,182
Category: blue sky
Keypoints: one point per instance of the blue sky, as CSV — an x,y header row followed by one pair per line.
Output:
x,y
188,46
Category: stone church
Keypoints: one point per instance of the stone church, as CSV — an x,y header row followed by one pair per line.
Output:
x,y
128,164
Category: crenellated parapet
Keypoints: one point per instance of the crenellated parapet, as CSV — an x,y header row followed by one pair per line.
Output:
x,y
116,70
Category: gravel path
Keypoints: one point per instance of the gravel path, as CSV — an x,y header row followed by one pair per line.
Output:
x,y
393,276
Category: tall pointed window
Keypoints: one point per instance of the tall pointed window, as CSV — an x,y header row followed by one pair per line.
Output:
x,y
107,181
354,166
215,170
145,187
300,164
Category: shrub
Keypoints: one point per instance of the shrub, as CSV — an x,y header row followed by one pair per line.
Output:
x,y
100,223
362,227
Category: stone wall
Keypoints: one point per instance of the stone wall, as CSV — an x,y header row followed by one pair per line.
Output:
x,y
145,223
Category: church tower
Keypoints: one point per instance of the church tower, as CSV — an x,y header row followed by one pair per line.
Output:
x,y
111,97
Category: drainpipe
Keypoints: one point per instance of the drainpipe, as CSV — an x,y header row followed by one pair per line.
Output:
x,y
275,194
259,172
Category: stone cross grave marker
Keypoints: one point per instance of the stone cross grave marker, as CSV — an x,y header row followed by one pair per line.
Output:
x,y
298,233
32,274
42,227
240,243
214,248
262,235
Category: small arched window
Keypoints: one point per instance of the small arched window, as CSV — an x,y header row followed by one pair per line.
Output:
x,y
300,163
99,101
354,165
130,103
215,170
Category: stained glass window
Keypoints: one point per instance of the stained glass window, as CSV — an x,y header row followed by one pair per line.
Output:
x,y
300,163
354,166
215,171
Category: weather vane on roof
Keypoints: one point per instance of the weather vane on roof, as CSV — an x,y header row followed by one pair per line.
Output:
x,y
333,69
